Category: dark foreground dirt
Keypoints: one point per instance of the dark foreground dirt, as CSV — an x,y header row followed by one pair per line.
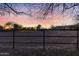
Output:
x,y
36,52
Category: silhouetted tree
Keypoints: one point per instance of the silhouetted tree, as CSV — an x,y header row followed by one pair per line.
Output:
x,y
38,27
1,27
52,27
17,27
24,29
32,28
9,25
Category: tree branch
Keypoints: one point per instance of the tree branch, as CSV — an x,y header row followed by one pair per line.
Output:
x,y
16,12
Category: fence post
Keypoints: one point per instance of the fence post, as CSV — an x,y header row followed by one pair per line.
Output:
x,y
43,42
13,38
77,38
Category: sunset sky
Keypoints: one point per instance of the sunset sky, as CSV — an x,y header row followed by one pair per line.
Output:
x,y
55,19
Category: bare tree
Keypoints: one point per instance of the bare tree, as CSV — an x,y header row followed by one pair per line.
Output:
x,y
44,8
9,8
65,6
